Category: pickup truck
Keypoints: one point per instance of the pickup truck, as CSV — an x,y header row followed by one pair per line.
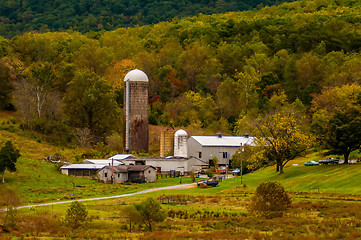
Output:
x,y
209,182
329,160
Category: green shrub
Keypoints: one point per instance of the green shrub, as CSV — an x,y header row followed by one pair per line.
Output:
x,y
193,176
270,200
150,212
76,215
209,173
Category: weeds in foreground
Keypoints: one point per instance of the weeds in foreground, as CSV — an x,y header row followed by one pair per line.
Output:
x,y
221,216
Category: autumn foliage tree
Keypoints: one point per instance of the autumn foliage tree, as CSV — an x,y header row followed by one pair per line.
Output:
x,y
281,138
337,119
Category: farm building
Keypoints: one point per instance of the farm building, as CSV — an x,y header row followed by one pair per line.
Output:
x,y
168,164
88,168
129,173
206,148
81,169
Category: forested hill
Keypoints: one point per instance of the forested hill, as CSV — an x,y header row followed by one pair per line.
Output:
x,y
207,71
19,16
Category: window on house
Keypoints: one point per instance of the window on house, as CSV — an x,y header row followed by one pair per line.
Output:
x,y
105,174
200,154
225,155
149,171
118,175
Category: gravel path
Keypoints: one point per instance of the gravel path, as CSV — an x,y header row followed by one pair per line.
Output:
x,y
181,186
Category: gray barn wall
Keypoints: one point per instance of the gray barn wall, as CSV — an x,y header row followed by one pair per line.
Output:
x,y
194,148
208,152
123,177
150,175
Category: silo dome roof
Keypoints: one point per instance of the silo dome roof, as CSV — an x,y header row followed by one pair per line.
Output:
x,y
181,133
136,75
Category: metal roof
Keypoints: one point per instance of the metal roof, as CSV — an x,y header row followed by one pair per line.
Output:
x,y
129,168
138,168
103,161
120,156
224,141
118,169
136,75
181,133
83,166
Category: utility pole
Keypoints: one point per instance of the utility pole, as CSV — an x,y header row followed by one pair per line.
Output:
x,y
112,177
242,150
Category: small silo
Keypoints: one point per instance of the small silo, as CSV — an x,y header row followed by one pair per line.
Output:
x,y
167,143
136,130
180,143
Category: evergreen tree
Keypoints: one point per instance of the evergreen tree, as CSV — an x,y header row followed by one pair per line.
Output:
x,y
8,157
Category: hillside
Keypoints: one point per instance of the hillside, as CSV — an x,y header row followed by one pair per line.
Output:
x,y
323,178
17,17
207,72
38,180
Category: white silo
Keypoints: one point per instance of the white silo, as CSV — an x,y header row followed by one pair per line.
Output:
x,y
180,143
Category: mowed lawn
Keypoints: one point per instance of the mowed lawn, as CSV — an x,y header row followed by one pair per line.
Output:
x,y
337,178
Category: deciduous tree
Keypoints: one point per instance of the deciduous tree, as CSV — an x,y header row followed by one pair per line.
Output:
x,y
150,212
132,215
89,103
336,119
281,137
76,215
6,86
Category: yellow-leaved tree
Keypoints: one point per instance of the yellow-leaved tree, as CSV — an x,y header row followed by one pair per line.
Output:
x,y
281,137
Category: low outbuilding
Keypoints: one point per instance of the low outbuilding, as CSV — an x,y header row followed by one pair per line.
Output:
x,y
127,173
81,169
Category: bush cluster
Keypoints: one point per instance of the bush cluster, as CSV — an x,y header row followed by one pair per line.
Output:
x,y
270,200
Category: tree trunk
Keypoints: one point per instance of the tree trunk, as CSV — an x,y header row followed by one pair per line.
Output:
x,y
346,155
281,168
278,167
149,226
3,181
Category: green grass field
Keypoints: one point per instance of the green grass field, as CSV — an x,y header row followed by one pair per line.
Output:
x,y
323,178
319,209
39,181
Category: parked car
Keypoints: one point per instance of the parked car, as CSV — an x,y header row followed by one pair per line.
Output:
x,y
221,170
236,171
329,160
209,182
311,163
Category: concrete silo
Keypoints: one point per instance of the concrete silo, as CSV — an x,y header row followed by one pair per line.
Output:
x,y
180,143
136,111
167,143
